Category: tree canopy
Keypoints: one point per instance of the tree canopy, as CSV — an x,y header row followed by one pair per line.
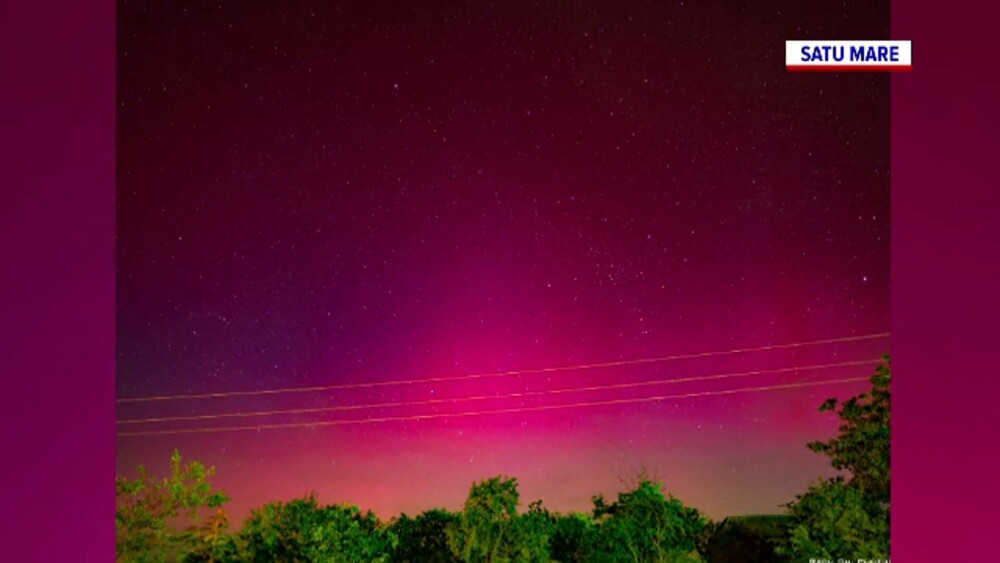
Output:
x,y
848,517
862,446
645,525
424,539
144,506
303,530
489,529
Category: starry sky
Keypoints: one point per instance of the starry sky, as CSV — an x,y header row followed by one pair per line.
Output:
x,y
327,193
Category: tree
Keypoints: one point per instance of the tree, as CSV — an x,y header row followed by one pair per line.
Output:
x,y
644,525
849,517
145,505
572,537
489,529
424,538
301,530
863,445
214,545
533,530
834,520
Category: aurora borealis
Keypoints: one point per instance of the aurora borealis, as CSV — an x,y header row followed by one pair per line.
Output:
x,y
339,194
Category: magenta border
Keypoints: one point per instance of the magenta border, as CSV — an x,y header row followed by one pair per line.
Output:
x,y
57,292
57,282
945,280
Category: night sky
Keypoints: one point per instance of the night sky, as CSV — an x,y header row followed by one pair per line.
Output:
x,y
322,195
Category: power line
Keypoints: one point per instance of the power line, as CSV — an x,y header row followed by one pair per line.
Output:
x,y
618,363
495,411
520,394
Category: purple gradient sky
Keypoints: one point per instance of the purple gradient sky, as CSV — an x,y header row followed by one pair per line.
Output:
x,y
341,194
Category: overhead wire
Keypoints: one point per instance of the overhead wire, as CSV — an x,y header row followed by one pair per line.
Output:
x,y
512,410
519,394
483,375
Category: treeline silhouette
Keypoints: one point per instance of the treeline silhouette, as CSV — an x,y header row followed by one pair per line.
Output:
x,y
845,517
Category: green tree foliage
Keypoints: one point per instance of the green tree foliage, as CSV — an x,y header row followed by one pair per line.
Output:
x,y
644,525
834,520
485,531
849,518
490,530
572,537
302,530
534,529
147,511
862,447
213,544
424,538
